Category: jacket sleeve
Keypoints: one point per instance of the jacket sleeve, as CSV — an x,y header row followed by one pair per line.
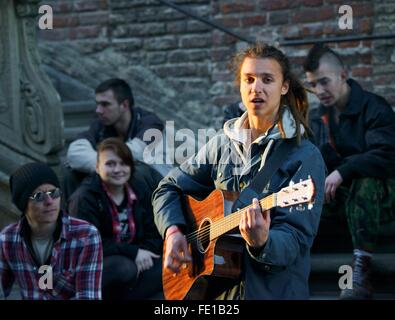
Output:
x,y
291,231
87,208
6,276
379,158
193,178
81,156
90,267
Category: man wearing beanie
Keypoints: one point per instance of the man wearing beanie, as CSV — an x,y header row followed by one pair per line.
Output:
x,y
48,253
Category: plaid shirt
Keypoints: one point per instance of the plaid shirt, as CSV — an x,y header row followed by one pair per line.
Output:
x,y
76,262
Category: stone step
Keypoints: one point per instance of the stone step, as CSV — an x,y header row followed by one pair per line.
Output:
x,y
383,263
77,117
325,276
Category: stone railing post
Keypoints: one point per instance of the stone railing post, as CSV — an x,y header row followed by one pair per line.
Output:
x,y
31,117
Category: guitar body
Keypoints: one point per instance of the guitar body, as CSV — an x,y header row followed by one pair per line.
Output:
x,y
213,262
217,255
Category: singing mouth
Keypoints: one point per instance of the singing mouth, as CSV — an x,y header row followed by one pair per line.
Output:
x,y
257,100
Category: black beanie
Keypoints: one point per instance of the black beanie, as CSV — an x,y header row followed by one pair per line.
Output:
x,y
27,178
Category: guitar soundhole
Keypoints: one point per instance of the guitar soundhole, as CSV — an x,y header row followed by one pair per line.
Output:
x,y
204,236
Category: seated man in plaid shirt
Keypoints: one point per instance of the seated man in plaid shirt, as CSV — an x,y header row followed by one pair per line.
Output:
x,y
48,253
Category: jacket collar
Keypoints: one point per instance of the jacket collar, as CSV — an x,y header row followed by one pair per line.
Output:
x,y
61,230
356,100
285,128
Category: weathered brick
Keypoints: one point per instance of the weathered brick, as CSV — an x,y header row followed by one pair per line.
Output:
x,y
188,55
312,30
59,6
160,43
127,4
195,41
314,15
229,22
255,20
362,9
278,18
138,29
90,5
386,79
54,34
197,26
154,58
85,32
312,3
236,7
128,45
349,44
221,54
222,76
280,4
89,18
365,26
181,70
122,18
63,21
361,71
179,26
156,14
219,38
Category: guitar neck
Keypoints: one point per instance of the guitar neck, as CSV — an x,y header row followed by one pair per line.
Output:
x,y
231,221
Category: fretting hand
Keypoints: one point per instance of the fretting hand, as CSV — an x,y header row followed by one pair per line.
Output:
x,y
254,225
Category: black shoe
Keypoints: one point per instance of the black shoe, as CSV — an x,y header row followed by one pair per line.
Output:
x,y
361,280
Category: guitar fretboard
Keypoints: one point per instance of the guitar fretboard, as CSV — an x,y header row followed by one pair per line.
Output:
x,y
232,220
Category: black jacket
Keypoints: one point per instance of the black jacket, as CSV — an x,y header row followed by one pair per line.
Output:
x,y
90,203
364,139
141,121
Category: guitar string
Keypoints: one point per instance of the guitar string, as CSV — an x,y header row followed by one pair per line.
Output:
x,y
218,225
228,220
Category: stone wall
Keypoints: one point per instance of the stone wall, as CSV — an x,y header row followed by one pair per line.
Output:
x,y
189,59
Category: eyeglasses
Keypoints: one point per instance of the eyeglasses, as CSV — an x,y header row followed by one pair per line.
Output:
x,y
41,196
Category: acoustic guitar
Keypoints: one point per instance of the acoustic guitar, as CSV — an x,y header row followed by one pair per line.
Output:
x,y
216,254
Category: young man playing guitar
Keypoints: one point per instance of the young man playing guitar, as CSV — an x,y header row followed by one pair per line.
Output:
x,y
275,263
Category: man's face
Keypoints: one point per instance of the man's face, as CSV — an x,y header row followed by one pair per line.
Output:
x,y
45,206
108,109
327,83
261,86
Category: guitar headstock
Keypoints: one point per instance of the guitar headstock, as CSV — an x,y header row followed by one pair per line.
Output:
x,y
302,192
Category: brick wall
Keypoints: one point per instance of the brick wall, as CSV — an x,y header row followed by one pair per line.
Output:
x,y
191,57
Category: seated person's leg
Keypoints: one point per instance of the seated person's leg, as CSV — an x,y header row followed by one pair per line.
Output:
x,y
149,283
119,274
365,211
